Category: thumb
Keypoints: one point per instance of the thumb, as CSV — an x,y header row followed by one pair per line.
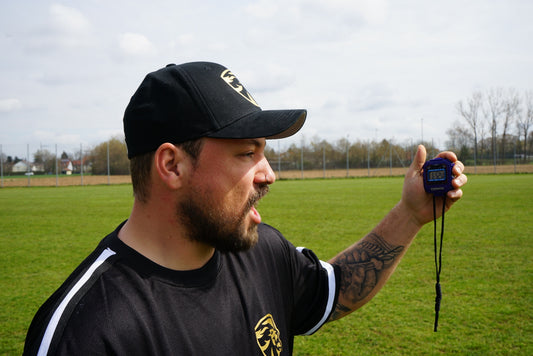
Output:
x,y
419,160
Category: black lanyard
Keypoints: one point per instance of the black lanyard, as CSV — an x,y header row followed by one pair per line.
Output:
x,y
438,258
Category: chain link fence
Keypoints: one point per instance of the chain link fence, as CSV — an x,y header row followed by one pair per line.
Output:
x,y
60,164
107,163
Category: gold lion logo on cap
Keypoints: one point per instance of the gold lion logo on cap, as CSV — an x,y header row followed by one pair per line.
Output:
x,y
233,82
268,336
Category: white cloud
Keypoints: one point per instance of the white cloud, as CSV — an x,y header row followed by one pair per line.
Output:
x,y
266,77
135,44
186,39
323,11
370,68
48,139
64,28
262,9
371,11
8,105
68,19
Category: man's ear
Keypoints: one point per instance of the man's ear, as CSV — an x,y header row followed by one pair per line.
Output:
x,y
170,165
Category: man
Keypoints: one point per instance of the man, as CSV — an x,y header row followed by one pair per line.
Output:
x,y
193,271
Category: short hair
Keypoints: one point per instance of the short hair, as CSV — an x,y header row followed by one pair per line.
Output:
x,y
141,165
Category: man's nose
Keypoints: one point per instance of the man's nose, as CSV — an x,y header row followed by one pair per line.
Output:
x,y
265,174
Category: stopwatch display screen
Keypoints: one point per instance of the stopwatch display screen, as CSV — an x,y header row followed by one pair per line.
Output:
x,y
437,175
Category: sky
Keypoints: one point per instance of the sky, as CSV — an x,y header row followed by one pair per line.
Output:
x,y
364,70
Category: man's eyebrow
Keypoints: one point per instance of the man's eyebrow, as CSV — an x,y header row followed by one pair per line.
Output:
x,y
255,142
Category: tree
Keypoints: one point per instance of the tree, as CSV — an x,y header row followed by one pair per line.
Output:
x,y
525,120
459,140
511,111
118,157
470,112
493,111
45,158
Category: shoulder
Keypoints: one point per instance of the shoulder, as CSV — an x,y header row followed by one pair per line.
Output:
x,y
49,322
271,236
273,241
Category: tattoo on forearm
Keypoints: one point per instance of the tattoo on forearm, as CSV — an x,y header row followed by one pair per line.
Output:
x,y
339,311
361,268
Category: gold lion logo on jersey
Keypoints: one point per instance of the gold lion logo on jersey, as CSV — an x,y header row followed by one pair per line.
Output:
x,y
233,82
268,336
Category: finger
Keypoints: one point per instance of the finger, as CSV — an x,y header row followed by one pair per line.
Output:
x,y
419,160
459,181
450,156
458,168
455,195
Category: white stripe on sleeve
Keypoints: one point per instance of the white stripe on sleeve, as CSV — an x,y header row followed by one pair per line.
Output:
x,y
331,294
54,321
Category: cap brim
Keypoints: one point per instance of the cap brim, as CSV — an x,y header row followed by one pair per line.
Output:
x,y
270,124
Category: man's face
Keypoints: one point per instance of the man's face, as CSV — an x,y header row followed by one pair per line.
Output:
x,y
230,176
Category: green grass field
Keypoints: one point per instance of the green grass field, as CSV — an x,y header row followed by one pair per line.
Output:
x,y
487,273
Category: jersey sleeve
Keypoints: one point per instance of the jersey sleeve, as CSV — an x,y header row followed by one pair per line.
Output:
x,y
316,291
48,325
314,287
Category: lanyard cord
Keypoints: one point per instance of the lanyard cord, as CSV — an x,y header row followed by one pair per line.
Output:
x,y
438,258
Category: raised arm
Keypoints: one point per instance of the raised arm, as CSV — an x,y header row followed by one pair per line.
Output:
x,y
368,264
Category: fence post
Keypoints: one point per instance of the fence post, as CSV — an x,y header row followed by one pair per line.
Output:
x,y
390,158
514,155
368,157
57,170
1,168
81,162
108,168
28,163
347,157
324,160
302,159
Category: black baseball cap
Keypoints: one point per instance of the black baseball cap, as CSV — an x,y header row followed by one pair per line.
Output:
x,y
184,102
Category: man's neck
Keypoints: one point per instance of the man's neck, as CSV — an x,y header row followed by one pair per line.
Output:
x,y
161,238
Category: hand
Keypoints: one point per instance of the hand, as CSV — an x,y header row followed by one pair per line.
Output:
x,y
414,197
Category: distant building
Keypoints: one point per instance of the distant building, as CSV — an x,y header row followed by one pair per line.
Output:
x,y
65,166
69,167
20,167
68,170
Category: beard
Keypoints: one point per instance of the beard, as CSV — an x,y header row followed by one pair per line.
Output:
x,y
214,226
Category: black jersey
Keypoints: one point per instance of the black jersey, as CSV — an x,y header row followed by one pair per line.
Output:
x,y
248,303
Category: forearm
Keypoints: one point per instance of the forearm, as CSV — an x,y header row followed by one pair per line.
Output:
x,y
367,265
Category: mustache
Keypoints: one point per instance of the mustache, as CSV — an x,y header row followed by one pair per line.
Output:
x,y
255,197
